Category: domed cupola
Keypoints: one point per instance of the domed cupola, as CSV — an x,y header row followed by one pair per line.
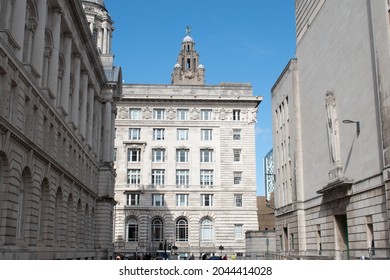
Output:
x,y
187,70
101,26
98,2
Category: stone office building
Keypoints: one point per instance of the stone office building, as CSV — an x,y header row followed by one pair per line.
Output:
x,y
331,133
58,95
185,163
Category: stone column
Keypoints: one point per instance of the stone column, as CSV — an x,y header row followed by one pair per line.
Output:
x,y
107,132
53,65
76,91
18,24
39,38
97,128
90,115
104,50
83,103
67,52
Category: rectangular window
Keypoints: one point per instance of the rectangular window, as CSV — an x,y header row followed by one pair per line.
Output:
x,y
237,178
236,115
182,134
134,114
132,199
182,155
158,155
158,177
157,199
206,155
158,133
158,114
206,134
238,231
134,133
134,155
237,155
182,114
182,177
134,176
206,177
238,200
207,199
182,200
236,134
205,114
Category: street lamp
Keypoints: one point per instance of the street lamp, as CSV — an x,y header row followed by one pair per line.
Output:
x,y
357,125
221,248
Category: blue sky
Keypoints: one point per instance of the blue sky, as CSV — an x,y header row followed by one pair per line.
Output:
x,y
237,41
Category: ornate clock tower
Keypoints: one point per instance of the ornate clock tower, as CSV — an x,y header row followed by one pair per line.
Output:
x,y
187,70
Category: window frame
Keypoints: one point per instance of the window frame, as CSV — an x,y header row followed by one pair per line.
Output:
x,y
133,116
158,199
158,134
136,156
134,133
158,114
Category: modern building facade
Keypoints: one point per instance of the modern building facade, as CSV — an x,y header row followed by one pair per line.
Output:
x,y
57,115
185,164
331,133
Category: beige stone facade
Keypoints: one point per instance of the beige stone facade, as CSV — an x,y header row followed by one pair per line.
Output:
x,y
56,133
185,163
330,126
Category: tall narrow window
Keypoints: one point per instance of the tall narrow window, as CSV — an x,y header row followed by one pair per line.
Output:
x,y
238,231
236,115
206,230
206,178
237,177
238,200
182,230
132,230
236,155
157,230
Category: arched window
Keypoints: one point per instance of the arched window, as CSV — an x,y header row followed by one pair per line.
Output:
x,y
21,214
57,215
69,219
206,230
157,229
182,230
132,230
79,223
44,210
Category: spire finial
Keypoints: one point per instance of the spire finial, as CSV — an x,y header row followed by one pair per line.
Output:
x,y
188,30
